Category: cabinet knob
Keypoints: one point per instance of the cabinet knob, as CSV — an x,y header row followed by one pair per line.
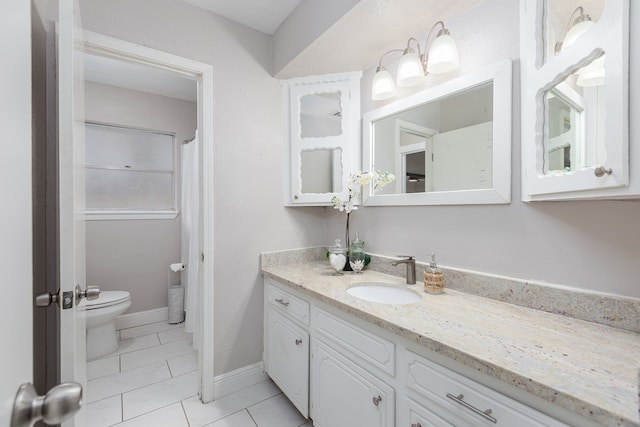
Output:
x,y
376,400
416,425
298,341
601,171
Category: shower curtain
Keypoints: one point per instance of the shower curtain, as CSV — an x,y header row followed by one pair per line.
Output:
x,y
190,234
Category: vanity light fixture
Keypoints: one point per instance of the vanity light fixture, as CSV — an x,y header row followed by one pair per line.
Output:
x,y
413,66
593,73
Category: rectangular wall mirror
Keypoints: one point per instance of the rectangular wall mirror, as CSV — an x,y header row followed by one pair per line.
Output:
x,y
447,145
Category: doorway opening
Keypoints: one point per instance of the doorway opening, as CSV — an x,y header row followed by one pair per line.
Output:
x,y
191,82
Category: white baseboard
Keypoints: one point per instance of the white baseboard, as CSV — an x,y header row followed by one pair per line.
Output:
x,y
131,320
240,378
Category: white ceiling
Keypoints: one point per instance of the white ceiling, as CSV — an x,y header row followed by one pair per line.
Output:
x,y
263,15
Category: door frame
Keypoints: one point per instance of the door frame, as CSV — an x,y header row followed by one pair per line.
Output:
x,y
203,73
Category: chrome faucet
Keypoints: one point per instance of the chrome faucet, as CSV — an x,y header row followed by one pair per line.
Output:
x,y
411,268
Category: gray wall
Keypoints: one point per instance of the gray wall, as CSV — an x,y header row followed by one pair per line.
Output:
x,y
249,213
588,245
134,255
591,245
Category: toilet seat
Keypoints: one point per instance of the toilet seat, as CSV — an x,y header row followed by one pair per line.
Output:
x,y
108,298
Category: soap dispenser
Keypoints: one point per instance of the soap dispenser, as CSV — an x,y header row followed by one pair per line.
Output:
x,y
433,278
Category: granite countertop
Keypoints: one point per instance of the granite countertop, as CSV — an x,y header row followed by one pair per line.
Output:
x,y
587,368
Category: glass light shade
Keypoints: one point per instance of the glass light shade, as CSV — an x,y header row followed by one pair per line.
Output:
x,y
410,71
383,86
576,31
443,55
592,74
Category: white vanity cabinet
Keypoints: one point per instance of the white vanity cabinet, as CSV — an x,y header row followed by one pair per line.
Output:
x,y
575,101
286,346
321,136
341,370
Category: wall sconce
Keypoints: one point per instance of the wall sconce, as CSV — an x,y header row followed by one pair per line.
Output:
x,y
593,73
442,57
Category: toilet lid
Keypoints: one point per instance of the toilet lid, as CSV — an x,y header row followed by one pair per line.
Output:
x,y
108,298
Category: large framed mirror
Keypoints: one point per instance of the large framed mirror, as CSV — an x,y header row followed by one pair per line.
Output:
x,y
447,145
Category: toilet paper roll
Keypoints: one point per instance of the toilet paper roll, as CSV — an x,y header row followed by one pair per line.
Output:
x,y
176,304
178,266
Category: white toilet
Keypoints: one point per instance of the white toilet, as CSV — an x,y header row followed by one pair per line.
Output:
x,y
101,315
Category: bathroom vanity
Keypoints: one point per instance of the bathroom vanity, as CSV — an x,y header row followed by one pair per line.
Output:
x,y
448,360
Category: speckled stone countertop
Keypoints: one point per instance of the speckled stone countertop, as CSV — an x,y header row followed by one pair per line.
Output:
x,y
587,368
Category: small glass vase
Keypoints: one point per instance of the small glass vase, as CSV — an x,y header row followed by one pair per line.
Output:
x,y
357,255
338,257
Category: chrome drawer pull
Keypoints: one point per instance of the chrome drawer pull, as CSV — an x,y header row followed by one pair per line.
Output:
x,y
485,414
377,400
283,302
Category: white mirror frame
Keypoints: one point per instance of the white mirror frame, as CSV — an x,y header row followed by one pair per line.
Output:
x,y
500,193
609,35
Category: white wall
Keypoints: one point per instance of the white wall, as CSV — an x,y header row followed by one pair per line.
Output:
x,y
249,216
591,245
15,187
134,255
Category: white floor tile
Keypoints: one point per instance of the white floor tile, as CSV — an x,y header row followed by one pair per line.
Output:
x,y
182,364
143,357
111,385
137,343
157,395
173,335
151,328
104,412
276,412
102,367
170,416
239,419
201,415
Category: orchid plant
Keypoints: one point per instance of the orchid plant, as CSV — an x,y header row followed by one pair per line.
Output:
x,y
377,179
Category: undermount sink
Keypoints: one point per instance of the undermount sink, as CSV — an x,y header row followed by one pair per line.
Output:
x,y
384,293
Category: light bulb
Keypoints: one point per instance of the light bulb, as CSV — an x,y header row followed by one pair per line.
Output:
x,y
410,71
383,86
443,55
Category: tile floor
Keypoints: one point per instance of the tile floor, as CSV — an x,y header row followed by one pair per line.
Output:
x,y
152,381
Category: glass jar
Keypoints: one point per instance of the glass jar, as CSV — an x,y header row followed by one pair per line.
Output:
x,y
338,257
357,255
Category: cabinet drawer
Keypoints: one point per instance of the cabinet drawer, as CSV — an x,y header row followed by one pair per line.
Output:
x,y
450,393
292,305
365,345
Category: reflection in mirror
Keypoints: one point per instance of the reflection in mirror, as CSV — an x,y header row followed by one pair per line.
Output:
x,y
442,145
574,123
566,20
320,115
321,171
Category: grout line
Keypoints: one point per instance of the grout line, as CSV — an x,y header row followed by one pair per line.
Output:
x,y
169,368
251,416
121,407
185,413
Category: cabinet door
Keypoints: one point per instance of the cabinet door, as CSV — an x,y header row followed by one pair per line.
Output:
x,y
321,129
575,95
287,361
343,394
